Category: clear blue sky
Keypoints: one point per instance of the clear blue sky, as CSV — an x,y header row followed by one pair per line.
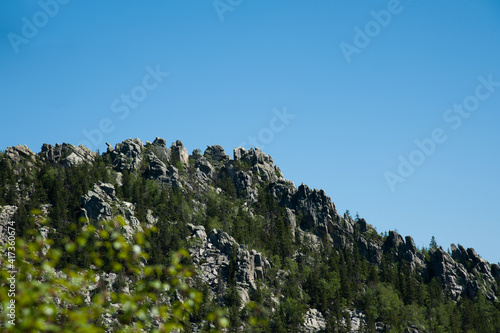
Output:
x,y
69,68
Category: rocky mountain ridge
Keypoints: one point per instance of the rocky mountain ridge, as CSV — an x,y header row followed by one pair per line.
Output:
x,y
310,214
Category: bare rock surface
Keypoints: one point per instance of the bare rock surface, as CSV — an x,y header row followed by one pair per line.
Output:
x,y
67,154
212,255
101,204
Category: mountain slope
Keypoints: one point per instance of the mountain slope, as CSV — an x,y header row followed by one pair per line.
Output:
x,y
260,245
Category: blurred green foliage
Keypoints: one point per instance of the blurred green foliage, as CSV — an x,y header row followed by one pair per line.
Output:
x,y
76,298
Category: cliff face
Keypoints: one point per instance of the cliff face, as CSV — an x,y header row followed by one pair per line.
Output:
x,y
308,214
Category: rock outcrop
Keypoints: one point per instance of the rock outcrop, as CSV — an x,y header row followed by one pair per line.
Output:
x,y
159,148
67,154
261,164
156,168
317,210
6,216
469,265
459,273
179,153
212,254
20,153
404,250
453,275
127,155
158,162
216,155
204,170
101,204
313,322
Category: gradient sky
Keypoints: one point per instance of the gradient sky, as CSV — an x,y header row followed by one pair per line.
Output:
x,y
235,64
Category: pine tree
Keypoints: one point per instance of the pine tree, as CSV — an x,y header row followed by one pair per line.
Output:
x,y
433,243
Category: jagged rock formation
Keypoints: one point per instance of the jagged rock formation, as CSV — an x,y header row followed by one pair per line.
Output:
x,y
216,155
6,215
461,275
404,250
101,204
179,153
127,155
67,154
20,153
262,164
212,255
313,321
204,170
